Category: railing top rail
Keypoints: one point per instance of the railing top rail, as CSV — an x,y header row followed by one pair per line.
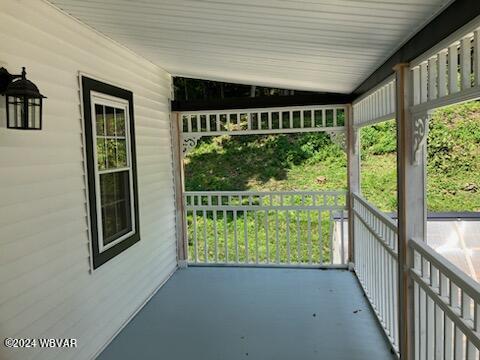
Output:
x,y
291,192
264,110
462,280
453,38
265,207
388,220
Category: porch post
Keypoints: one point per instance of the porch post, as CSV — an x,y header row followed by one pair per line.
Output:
x,y
353,173
411,154
180,221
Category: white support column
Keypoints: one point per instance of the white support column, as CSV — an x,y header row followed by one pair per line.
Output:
x,y
177,161
411,153
353,156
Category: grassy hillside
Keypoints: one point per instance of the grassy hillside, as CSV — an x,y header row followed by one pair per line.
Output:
x,y
313,162
273,162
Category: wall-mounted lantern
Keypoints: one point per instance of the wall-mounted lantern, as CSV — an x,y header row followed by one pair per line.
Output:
x,y
23,100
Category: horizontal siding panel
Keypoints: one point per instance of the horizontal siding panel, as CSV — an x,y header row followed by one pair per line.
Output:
x,y
34,297
43,68
23,212
26,156
31,227
35,176
151,159
31,139
42,240
86,40
48,287
147,169
155,120
39,283
29,193
149,188
158,143
152,150
147,131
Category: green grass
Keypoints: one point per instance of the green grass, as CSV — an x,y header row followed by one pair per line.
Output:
x,y
252,233
260,162
313,162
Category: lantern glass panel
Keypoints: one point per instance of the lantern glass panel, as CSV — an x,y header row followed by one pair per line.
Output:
x,y
15,112
34,113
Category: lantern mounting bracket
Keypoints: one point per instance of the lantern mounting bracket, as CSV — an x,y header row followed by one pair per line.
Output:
x,y
6,78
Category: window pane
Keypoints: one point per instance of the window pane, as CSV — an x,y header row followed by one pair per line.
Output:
x,y
111,154
101,154
110,120
115,202
109,224
100,121
120,121
121,153
107,188
123,218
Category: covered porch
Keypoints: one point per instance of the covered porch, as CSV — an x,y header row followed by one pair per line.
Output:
x,y
226,274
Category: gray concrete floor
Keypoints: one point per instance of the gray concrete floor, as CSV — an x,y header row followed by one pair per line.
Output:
x,y
253,313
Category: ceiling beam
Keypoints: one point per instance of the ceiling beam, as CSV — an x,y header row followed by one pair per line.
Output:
x,y
261,102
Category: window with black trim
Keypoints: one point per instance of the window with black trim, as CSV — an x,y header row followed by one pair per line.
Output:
x,y
111,168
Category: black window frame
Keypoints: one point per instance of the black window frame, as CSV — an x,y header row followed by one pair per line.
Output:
x,y
89,85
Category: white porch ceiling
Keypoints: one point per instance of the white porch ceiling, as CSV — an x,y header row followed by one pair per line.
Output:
x,y
322,45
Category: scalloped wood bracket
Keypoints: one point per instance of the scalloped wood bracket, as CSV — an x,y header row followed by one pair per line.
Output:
x,y
189,142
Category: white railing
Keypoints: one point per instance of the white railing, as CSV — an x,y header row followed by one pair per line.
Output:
x,y
377,105
263,120
446,307
300,228
376,263
449,72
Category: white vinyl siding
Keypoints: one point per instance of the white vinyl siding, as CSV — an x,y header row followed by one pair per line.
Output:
x,y
47,287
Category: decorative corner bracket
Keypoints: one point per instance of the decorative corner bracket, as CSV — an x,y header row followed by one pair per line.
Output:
x,y
338,137
419,136
189,143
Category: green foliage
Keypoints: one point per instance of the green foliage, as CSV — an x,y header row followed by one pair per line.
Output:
x,y
378,165
313,162
379,139
264,161
453,158
454,135
453,163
